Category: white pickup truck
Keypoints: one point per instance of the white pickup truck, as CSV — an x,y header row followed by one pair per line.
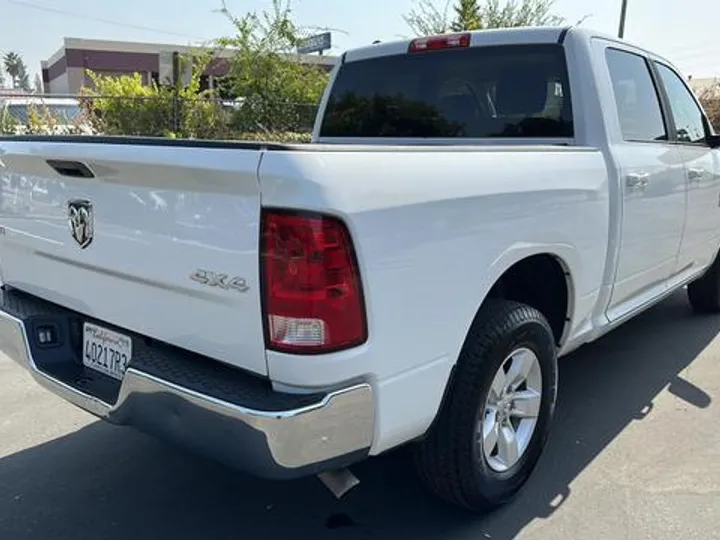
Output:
x,y
473,207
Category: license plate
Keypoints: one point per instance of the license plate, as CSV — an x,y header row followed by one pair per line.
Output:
x,y
106,351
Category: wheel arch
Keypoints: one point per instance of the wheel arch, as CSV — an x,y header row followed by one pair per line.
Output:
x,y
563,257
543,281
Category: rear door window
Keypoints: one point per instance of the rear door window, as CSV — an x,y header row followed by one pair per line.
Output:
x,y
636,98
477,92
689,121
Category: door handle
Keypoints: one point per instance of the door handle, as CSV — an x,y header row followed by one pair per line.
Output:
x,y
695,175
74,169
637,180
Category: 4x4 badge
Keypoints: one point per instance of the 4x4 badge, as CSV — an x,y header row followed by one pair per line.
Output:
x,y
222,281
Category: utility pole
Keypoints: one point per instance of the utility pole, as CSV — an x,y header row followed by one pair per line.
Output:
x,y
176,90
623,14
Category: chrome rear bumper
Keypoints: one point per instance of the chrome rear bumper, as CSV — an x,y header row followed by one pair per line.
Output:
x,y
334,430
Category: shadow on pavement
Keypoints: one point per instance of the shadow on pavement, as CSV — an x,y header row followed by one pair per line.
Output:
x,y
112,483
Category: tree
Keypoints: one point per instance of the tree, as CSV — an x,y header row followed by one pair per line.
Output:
x,y
38,84
428,19
518,13
276,95
16,68
467,16
12,62
278,92
24,79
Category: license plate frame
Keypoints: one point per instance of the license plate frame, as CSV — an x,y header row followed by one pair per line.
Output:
x,y
106,351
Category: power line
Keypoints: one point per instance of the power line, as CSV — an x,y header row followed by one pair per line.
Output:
x,y
104,21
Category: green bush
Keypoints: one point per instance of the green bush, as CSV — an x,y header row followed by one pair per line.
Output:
x,y
125,106
278,94
275,136
8,124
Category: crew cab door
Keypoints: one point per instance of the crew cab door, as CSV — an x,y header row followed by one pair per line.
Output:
x,y
701,238
651,183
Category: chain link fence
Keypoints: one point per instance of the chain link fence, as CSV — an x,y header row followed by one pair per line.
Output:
x,y
176,117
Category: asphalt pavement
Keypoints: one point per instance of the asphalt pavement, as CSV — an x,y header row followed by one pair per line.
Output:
x,y
635,453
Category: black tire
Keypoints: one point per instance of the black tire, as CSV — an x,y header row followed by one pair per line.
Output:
x,y
448,460
704,293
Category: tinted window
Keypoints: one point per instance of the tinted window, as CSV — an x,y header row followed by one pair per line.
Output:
x,y
636,98
508,91
686,113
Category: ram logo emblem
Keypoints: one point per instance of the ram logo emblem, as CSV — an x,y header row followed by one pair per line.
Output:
x,y
81,221
219,280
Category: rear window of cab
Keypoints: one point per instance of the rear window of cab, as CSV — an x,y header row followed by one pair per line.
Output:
x,y
475,92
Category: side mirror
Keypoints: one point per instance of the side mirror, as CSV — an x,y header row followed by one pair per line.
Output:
x,y
713,141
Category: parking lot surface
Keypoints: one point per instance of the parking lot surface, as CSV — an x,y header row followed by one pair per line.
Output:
x,y
635,453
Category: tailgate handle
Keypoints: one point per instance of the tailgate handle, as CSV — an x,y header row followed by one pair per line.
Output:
x,y
71,168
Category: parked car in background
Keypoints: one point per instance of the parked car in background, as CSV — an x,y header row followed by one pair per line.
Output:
x,y
47,115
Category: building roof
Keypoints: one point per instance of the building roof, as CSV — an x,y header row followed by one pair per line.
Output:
x,y
155,48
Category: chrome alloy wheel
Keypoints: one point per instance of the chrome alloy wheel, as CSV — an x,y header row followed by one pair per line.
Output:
x,y
511,411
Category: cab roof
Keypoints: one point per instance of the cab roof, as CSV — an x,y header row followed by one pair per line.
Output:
x,y
496,36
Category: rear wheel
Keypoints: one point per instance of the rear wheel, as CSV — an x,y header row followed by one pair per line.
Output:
x,y
704,293
490,432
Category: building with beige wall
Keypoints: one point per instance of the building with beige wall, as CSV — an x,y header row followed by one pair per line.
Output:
x,y
702,85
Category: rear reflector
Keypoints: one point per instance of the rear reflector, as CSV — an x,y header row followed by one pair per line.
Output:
x,y
311,284
438,43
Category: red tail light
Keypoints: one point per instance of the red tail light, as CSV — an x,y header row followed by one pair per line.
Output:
x,y
311,284
438,43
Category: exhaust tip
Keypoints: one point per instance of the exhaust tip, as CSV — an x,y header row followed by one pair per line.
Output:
x,y
339,481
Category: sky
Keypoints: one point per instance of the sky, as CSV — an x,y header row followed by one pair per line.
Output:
x,y
685,32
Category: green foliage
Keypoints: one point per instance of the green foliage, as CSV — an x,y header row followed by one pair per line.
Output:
x,y
275,136
126,106
24,80
12,62
512,13
277,95
16,68
467,16
427,18
8,124
277,90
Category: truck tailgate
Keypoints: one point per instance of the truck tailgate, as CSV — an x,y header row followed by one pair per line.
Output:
x,y
140,236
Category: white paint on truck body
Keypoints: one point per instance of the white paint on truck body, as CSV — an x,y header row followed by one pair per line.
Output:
x,y
434,225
